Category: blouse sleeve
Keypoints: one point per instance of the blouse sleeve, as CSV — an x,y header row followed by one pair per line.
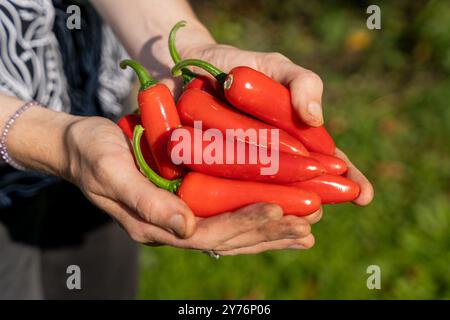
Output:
x,y
30,62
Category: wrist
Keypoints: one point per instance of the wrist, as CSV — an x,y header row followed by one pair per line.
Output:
x,y
37,140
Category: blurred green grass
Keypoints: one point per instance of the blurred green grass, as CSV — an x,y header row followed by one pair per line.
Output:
x,y
386,102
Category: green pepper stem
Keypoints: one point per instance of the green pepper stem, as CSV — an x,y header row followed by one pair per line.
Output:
x,y
214,71
172,49
169,185
144,77
187,74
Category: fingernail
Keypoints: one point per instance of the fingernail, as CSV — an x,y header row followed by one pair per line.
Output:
x,y
177,224
296,246
315,110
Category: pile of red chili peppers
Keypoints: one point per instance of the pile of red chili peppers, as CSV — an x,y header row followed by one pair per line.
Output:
x,y
309,174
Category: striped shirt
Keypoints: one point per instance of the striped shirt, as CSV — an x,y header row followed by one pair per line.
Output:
x,y
73,71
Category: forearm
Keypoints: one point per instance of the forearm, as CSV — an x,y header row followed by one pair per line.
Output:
x,y
37,138
143,27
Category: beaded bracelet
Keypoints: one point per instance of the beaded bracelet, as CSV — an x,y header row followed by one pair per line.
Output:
x,y
3,148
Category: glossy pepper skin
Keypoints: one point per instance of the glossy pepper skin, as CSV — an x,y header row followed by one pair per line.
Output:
x,y
290,167
254,93
159,116
192,80
206,84
257,94
194,105
127,123
332,164
331,189
208,196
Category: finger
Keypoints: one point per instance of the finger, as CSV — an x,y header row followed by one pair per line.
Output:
x,y
142,232
313,217
243,220
154,205
212,232
138,229
306,94
305,86
304,243
127,219
289,227
367,192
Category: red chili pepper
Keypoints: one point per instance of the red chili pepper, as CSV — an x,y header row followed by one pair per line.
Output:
x,y
222,195
290,167
208,196
191,79
331,189
206,84
195,105
332,164
264,98
159,117
127,123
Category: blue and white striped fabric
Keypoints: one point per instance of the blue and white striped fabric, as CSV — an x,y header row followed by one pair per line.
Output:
x,y
72,71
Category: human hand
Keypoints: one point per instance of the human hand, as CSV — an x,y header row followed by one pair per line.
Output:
x,y
102,166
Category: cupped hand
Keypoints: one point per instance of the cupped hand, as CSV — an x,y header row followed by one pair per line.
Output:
x,y
102,166
306,89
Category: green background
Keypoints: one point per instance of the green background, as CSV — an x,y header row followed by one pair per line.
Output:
x,y
387,95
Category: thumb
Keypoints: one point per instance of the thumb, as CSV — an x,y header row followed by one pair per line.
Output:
x,y
306,93
157,206
305,87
